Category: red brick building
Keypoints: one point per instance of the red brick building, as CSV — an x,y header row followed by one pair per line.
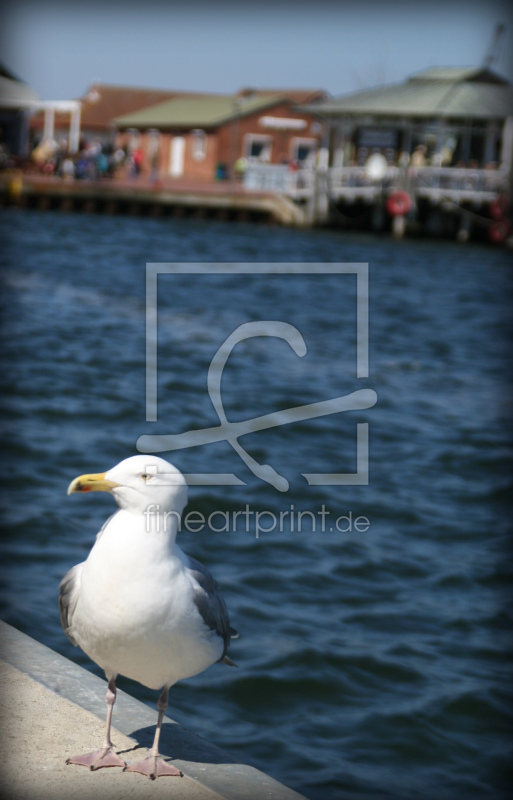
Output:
x,y
204,137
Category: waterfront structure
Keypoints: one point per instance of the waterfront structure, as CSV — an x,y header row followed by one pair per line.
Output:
x,y
17,100
207,137
456,115
445,138
98,107
431,155
18,104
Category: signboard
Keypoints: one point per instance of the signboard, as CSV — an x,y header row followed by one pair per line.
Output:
x,y
377,137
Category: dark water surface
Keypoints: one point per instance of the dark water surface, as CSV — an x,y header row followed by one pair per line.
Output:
x,y
373,664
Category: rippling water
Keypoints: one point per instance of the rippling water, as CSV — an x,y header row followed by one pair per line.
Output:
x,y
373,664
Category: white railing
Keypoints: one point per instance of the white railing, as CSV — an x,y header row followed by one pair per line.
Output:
x,y
353,183
460,180
280,178
358,177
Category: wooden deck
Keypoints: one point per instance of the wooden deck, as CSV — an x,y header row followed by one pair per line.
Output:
x,y
223,200
454,202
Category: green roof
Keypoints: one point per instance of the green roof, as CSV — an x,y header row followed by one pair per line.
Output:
x,y
201,111
450,92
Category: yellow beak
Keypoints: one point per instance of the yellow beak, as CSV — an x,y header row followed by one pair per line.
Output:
x,y
91,483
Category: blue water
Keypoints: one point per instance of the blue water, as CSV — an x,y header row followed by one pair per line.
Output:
x,y
372,663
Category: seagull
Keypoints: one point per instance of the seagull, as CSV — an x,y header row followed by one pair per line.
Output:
x,y
138,605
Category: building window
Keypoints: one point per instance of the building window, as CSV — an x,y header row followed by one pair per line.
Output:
x,y
199,145
258,148
303,151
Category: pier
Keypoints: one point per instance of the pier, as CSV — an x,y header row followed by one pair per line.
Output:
x,y
455,203
222,201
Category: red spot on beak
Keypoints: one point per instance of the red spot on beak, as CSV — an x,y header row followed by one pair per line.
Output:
x,y
85,489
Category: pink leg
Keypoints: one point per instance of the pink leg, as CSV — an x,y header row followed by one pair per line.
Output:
x,y
105,755
152,764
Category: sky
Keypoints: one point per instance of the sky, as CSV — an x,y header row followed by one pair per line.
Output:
x,y
61,48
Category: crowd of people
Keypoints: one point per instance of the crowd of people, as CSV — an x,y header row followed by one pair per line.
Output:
x,y
94,160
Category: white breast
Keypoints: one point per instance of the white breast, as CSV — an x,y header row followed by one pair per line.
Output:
x,y
136,614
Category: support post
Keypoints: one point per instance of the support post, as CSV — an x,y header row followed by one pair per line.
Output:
x,y
399,226
74,129
440,140
463,234
490,155
49,123
322,200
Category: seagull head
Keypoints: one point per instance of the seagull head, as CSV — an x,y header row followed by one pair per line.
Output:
x,y
138,483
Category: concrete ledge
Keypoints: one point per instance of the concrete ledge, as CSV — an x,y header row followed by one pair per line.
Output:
x,y
53,708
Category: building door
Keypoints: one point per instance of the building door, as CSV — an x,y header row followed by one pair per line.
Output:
x,y
176,157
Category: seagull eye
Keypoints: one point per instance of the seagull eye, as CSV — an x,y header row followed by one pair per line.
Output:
x,y
146,476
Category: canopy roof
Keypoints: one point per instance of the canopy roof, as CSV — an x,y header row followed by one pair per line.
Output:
x,y
15,94
450,92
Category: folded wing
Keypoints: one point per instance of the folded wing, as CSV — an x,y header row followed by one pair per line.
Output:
x,y
210,603
69,591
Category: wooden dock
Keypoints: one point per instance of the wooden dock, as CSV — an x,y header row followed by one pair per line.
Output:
x,y
446,203
223,200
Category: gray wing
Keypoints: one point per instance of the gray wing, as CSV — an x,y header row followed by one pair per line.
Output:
x,y
210,603
69,591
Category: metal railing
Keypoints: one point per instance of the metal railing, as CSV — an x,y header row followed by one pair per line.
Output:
x,y
353,183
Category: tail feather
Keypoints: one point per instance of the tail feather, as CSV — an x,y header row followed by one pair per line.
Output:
x,y
229,662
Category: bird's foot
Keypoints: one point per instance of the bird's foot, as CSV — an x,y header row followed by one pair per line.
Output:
x,y
104,757
154,767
